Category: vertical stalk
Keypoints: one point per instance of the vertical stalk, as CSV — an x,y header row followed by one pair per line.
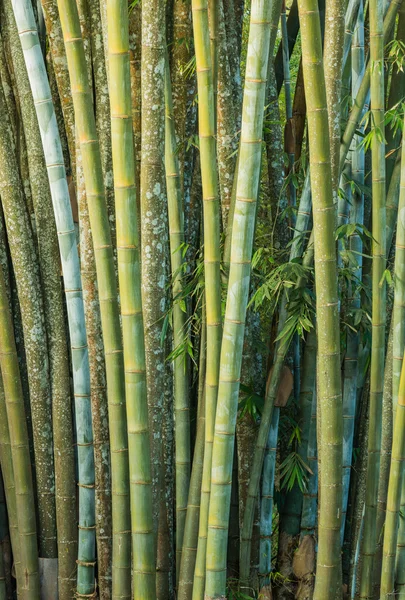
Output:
x,y
86,131
211,224
65,485
154,225
378,295
329,399
238,288
129,272
394,495
180,367
19,449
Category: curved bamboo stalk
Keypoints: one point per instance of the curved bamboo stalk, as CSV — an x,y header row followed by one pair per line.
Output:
x,y
47,362
211,224
329,385
293,27
107,294
394,495
378,290
66,515
129,271
238,288
180,367
24,492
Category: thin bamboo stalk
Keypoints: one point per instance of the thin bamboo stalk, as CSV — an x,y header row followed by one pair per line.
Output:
x,y
180,366
129,271
329,385
267,499
394,495
378,302
237,297
6,463
103,251
211,224
24,491
356,215
309,504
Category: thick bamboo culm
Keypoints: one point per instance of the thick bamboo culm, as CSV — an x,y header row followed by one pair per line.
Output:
x,y
329,396
74,298
248,178
129,272
103,251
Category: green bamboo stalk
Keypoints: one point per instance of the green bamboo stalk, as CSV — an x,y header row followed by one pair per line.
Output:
x,y
293,27
19,449
237,297
361,97
356,215
58,53
66,513
309,504
333,63
378,302
190,538
6,463
3,537
394,496
129,271
180,367
211,224
329,385
399,345
103,251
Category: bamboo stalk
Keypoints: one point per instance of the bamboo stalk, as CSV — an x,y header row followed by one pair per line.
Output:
x,y
211,224
378,302
267,499
24,492
129,271
180,366
238,288
107,294
356,215
394,495
70,267
329,385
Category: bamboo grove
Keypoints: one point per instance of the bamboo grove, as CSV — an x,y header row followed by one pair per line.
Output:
x,y
202,299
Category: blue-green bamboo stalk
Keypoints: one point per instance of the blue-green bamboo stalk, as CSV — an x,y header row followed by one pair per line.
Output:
x,y
71,272
309,504
267,499
350,367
